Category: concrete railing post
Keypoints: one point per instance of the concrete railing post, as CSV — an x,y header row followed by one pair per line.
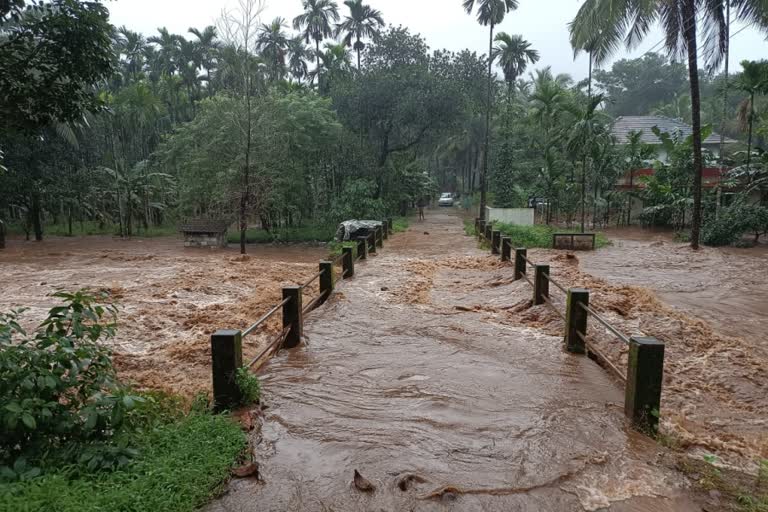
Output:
x,y
326,280
2,235
347,262
391,225
380,236
540,284
520,254
226,358
292,316
385,229
495,241
488,231
362,247
372,243
506,248
481,230
645,373
576,319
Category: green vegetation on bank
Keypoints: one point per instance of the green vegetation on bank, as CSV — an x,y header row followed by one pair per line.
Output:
x,y
90,227
295,234
539,235
75,438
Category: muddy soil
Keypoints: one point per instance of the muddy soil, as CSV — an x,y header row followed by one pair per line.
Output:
x,y
171,298
433,378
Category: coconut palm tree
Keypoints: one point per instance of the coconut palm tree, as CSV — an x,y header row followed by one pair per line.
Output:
x,y
609,23
753,80
363,21
316,23
514,54
489,13
273,45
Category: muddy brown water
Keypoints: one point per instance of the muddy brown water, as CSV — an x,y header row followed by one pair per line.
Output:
x,y
170,298
412,376
724,286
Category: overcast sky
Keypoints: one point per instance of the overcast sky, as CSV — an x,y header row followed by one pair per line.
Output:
x,y
443,23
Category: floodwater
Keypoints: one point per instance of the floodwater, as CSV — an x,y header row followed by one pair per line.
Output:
x,y
417,375
724,286
171,298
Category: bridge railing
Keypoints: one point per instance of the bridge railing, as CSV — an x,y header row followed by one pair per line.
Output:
x,y
645,366
226,344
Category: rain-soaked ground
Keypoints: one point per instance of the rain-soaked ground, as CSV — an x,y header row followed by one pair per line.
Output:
x,y
417,375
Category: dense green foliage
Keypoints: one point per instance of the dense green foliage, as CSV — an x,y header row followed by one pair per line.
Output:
x,y
180,466
536,236
58,391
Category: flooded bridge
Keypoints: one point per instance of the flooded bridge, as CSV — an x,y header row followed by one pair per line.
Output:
x,y
408,377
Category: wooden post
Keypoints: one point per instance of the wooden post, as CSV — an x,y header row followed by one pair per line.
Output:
x,y
576,320
488,230
391,225
226,358
540,284
481,230
379,236
372,243
326,281
520,254
2,235
506,248
645,373
347,262
362,247
495,241
292,316
384,229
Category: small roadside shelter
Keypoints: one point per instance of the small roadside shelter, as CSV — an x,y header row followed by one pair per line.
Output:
x,y
205,233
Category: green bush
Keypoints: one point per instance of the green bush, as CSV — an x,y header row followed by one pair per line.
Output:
x,y
539,235
58,390
249,385
733,221
318,233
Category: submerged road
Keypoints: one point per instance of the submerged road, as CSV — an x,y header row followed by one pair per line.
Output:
x,y
440,404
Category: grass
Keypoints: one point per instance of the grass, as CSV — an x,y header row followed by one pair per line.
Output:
x,y
297,234
539,235
182,465
94,228
739,492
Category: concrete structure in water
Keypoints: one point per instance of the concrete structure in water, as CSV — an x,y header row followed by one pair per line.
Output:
x,y
205,233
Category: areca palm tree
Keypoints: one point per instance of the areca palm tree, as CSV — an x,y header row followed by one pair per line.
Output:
x,y
167,47
298,54
514,54
208,47
273,45
316,23
133,46
489,13
610,23
334,60
753,80
362,21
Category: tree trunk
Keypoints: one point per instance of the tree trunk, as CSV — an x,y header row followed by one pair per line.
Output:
x,y
583,193
749,136
689,12
725,100
317,63
36,215
487,152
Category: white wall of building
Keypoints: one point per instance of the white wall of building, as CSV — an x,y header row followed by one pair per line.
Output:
x,y
519,216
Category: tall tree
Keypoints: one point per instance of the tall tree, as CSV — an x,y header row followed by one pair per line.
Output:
x,y
362,21
514,54
631,21
753,80
316,23
273,45
298,54
489,13
208,46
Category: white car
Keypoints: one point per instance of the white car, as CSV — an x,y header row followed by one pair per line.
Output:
x,y
446,199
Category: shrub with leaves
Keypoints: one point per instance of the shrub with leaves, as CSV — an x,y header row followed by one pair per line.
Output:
x,y
735,220
58,392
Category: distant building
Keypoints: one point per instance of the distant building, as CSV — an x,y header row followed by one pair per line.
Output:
x,y
205,233
624,125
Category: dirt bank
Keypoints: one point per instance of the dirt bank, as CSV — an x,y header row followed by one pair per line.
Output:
x,y
171,298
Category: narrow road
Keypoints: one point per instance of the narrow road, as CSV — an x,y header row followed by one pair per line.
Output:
x,y
409,377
